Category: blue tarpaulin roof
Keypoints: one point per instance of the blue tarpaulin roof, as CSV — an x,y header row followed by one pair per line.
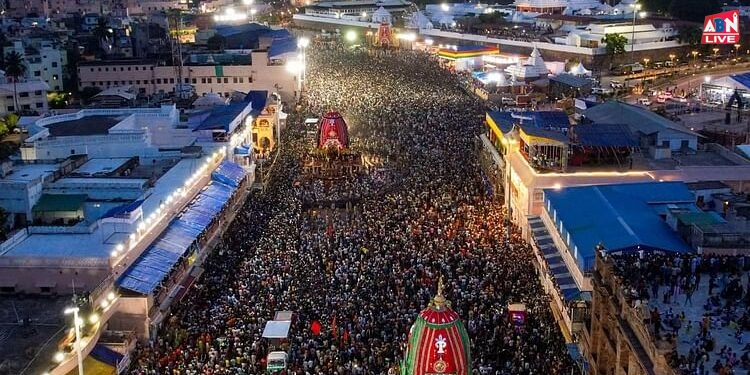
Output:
x,y
743,79
222,116
106,355
229,173
622,217
281,46
258,99
549,120
157,261
604,135
123,210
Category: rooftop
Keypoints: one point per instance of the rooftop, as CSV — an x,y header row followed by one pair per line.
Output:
x,y
89,125
100,166
29,172
621,217
636,117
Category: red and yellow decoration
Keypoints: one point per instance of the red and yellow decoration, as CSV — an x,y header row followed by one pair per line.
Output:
x,y
438,342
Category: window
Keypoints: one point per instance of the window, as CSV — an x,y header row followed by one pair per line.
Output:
x,y
130,82
187,80
665,143
37,73
538,195
136,68
101,83
158,80
122,69
10,97
24,94
250,79
195,81
45,290
226,80
234,80
26,106
210,80
92,69
38,92
137,81
109,83
152,68
11,108
203,80
106,69
171,80
128,68
40,105
99,69
54,64
242,79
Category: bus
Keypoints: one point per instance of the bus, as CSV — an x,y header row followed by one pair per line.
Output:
x,y
627,69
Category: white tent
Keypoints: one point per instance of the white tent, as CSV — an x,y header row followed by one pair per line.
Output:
x,y
579,70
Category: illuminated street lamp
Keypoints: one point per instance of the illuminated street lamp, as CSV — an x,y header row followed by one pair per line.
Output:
x,y
645,62
716,52
77,324
636,8
737,50
351,36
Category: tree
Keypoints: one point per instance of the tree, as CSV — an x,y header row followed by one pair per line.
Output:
x,y
615,45
102,32
693,10
15,68
216,43
8,123
690,35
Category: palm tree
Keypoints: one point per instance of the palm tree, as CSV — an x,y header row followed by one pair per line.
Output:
x,y
15,67
102,32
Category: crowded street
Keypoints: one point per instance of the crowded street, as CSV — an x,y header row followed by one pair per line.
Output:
x,y
358,259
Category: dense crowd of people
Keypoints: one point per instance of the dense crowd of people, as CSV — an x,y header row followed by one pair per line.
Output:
x,y
696,304
357,276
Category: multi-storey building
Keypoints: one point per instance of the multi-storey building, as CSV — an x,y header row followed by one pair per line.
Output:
x,y
32,96
147,77
44,61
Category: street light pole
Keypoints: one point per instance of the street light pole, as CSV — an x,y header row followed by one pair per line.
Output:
x,y
77,328
636,8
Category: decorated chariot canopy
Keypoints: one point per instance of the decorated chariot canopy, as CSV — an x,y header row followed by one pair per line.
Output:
x,y
438,342
333,131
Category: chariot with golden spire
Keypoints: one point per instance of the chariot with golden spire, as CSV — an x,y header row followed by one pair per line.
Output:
x,y
438,342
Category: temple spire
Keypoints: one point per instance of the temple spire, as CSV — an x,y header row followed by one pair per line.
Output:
x,y
439,302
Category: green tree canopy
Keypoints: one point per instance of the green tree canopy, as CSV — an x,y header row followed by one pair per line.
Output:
x,y
615,44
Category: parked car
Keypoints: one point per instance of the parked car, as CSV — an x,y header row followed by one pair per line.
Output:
x,y
644,101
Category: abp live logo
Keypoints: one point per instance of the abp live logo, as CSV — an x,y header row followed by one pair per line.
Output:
x,y
722,28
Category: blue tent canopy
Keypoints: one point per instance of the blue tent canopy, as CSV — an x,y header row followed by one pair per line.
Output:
x,y
157,261
242,150
229,173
